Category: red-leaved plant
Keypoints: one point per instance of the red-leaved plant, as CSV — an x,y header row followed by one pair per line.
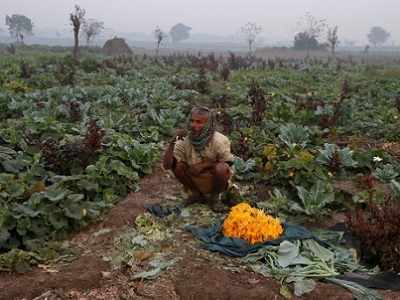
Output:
x,y
378,229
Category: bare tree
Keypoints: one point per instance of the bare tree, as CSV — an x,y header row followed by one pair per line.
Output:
x,y
77,19
333,38
312,28
250,32
366,49
91,28
159,36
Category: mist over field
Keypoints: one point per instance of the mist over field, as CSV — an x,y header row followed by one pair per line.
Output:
x,y
182,149
213,21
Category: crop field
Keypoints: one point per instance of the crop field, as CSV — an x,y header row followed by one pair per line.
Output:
x,y
314,140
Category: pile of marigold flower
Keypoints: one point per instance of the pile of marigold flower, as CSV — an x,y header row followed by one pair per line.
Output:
x,y
251,224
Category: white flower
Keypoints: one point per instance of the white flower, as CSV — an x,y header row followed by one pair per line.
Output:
x,y
377,159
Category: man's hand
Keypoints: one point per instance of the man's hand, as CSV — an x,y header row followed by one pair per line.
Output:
x,y
179,135
168,161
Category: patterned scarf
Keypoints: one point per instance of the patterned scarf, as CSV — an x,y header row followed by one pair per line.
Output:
x,y
201,140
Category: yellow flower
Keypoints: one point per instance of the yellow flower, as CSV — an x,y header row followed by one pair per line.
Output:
x,y
251,224
268,167
17,86
270,152
305,156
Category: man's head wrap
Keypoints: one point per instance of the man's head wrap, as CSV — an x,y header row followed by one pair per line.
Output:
x,y
201,140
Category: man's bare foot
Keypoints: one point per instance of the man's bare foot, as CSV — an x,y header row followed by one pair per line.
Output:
x,y
195,197
214,201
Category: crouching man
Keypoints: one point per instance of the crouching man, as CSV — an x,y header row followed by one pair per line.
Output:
x,y
201,159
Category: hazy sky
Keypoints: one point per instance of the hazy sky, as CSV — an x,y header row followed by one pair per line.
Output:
x,y
278,18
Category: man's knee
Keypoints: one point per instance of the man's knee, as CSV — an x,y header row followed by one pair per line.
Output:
x,y
222,171
221,176
180,170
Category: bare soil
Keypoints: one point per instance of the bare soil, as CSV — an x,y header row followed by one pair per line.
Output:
x,y
193,277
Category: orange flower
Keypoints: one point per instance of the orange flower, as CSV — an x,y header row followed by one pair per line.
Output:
x,y
251,224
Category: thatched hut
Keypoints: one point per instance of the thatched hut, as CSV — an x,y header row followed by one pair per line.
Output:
x,y
116,46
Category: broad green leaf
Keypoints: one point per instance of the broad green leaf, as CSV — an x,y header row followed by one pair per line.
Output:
x,y
13,166
345,156
359,292
304,286
7,151
315,200
4,235
21,210
318,251
242,166
15,189
386,173
88,185
292,135
4,157
395,188
158,266
39,228
74,211
58,220
91,169
122,170
5,178
3,215
23,226
75,197
55,194
287,253
109,195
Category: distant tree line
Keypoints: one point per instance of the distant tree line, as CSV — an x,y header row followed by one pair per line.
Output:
x,y
312,30
308,38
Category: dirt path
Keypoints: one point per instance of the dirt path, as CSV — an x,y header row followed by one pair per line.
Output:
x,y
193,277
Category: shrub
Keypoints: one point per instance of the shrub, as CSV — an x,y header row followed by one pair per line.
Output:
x,y
89,65
71,157
377,228
258,102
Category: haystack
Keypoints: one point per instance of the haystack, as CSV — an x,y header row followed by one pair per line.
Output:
x,y
116,46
